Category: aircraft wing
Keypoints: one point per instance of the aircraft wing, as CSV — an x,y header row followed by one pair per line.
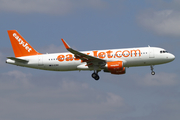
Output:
x,y
91,60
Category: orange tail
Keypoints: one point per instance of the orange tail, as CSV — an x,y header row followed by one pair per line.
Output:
x,y
20,46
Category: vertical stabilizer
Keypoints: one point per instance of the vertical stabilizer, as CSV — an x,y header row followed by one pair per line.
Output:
x,y
20,46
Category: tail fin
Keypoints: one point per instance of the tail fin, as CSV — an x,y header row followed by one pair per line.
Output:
x,y
20,46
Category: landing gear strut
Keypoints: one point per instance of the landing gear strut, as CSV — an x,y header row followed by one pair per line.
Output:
x,y
95,75
152,72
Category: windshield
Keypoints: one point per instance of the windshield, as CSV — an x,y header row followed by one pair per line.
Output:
x,y
163,51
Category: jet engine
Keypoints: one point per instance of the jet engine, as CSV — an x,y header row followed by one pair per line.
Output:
x,y
115,67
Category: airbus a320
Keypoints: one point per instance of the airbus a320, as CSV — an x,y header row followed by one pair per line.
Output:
x,y
114,61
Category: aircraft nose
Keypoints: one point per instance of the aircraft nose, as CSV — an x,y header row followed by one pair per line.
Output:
x,y
171,57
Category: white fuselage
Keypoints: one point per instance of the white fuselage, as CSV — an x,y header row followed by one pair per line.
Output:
x,y
131,57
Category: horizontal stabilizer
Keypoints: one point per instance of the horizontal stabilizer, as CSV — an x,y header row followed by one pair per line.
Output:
x,y
18,59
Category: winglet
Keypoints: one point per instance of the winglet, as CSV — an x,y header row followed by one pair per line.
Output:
x,y
65,44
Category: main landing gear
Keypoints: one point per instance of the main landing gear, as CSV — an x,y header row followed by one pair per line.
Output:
x,y
152,72
95,75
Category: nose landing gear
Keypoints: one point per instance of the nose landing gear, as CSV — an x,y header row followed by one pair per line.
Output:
x,y
152,72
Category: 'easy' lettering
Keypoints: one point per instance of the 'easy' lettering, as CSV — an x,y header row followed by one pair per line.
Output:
x,y
21,42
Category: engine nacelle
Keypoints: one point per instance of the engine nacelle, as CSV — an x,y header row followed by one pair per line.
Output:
x,y
115,67
119,72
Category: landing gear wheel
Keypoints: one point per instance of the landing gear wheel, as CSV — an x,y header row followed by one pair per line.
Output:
x,y
95,76
152,73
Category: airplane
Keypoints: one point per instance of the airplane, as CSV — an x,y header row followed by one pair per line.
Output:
x,y
114,61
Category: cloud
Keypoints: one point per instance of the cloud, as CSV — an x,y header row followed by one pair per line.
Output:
x,y
24,99
14,79
164,22
160,79
59,7
163,18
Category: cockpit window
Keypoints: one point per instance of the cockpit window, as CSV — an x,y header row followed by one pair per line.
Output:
x,y
163,51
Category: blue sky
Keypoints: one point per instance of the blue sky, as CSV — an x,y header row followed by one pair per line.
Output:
x,y
90,25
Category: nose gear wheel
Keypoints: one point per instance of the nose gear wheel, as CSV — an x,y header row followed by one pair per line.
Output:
x,y
152,72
